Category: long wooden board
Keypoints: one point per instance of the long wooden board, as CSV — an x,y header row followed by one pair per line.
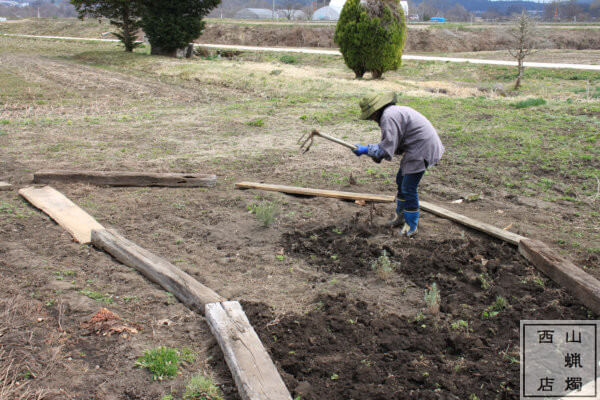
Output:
x,y
187,289
316,192
115,178
426,206
62,210
253,370
580,284
491,230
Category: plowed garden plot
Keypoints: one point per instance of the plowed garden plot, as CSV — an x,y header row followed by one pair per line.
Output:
x,y
349,349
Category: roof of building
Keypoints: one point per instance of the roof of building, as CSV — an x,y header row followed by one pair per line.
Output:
x,y
326,14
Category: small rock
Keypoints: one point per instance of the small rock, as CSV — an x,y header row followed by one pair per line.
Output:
x,y
303,389
5,186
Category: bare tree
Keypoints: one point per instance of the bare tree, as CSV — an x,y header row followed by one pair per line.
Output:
x,y
523,35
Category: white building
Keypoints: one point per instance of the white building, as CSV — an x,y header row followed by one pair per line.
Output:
x,y
335,6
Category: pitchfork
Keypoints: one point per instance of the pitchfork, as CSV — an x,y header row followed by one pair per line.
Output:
x,y
310,138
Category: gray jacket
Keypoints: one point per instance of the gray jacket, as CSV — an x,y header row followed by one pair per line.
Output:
x,y
406,131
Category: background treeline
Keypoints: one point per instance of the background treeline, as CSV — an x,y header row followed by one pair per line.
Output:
x,y
452,10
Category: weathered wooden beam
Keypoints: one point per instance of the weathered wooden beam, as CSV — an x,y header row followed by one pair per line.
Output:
x,y
425,206
62,210
316,192
491,230
187,289
108,178
580,284
253,370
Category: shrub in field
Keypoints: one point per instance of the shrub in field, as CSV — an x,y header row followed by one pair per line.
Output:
x,y
163,362
202,388
172,25
529,103
371,36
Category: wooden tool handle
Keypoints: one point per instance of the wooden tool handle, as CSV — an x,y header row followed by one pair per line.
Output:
x,y
336,140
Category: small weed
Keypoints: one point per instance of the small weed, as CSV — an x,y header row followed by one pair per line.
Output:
x,y
383,266
276,72
280,257
167,397
460,324
288,59
484,281
257,122
335,377
419,317
266,212
495,308
529,103
433,299
163,362
201,387
336,230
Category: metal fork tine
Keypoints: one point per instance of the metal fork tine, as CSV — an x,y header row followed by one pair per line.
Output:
x,y
309,139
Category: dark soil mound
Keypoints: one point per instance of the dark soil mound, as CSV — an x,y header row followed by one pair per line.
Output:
x,y
348,349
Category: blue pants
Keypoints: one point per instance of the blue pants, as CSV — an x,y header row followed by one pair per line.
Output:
x,y
407,189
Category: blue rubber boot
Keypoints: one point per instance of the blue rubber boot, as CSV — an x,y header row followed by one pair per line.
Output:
x,y
411,219
398,220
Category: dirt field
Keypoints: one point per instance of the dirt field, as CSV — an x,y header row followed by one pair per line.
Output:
x,y
451,37
333,326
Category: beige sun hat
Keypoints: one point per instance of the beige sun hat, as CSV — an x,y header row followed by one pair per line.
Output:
x,y
374,101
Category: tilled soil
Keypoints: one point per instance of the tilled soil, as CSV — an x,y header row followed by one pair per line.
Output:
x,y
349,349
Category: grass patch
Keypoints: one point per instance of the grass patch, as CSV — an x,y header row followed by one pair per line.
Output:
x,y
533,102
288,59
98,296
257,122
163,362
201,387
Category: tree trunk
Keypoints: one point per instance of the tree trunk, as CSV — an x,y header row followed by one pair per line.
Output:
x,y
359,73
377,74
520,74
185,52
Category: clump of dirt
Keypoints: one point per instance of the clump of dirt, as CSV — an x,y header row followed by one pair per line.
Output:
x,y
107,323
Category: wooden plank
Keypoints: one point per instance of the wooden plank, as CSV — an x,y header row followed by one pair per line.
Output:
x,y
253,370
62,210
580,284
316,192
115,178
187,289
491,230
4,186
425,206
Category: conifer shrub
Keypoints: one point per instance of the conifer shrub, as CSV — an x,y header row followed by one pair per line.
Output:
x,y
172,25
371,36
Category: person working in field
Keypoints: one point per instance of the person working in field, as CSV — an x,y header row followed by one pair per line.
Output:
x,y
403,131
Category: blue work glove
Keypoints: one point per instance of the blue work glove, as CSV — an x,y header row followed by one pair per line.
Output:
x,y
361,149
